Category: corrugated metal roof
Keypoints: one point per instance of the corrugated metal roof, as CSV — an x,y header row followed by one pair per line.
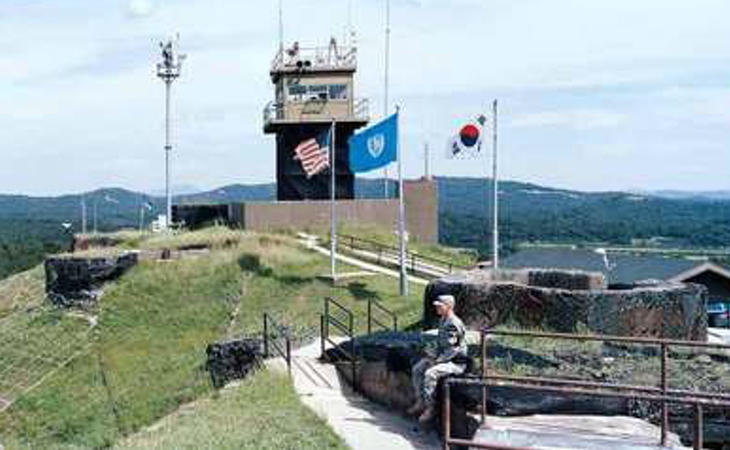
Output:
x,y
627,268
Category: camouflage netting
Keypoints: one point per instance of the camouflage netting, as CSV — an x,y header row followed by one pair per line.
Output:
x,y
233,359
530,299
76,281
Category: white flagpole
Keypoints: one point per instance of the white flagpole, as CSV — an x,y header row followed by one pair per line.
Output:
x,y
495,191
333,225
401,212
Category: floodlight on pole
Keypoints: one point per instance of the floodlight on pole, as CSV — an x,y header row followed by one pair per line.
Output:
x,y
168,71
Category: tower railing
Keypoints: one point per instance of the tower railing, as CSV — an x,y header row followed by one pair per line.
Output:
x,y
277,111
332,57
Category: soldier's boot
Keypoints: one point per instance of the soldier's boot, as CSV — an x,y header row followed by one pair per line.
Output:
x,y
416,408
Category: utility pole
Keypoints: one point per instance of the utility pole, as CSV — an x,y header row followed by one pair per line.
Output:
x,y
168,71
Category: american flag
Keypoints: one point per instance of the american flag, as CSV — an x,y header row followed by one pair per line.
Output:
x,y
314,158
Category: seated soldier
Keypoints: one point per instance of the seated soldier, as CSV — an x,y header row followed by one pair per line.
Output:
x,y
449,358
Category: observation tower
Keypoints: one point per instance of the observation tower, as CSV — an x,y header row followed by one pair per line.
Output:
x,y
313,86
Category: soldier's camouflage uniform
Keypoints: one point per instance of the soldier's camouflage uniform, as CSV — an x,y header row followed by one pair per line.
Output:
x,y
450,359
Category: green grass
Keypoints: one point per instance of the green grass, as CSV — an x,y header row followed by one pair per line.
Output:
x,y
146,355
22,291
262,412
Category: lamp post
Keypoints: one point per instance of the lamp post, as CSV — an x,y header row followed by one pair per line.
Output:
x,y
168,70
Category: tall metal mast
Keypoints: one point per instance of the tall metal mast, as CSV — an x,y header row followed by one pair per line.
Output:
x,y
387,68
495,191
168,70
281,29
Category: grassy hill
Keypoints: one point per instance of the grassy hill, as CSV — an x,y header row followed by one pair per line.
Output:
x,y
30,226
104,375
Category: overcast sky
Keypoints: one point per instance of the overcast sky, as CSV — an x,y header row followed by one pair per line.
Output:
x,y
594,95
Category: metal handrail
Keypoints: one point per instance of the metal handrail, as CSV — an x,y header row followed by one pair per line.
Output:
x,y
326,320
662,394
285,353
395,251
372,319
276,111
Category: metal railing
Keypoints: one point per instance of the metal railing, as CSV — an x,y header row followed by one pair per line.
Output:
x,y
361,108
413,258
323,58
277,111
661,394
373,320
344,324
273,334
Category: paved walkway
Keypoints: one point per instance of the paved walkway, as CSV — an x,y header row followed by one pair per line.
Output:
x,y
363,424
311,242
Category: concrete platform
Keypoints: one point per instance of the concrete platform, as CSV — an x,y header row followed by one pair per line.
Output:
x,y
560,432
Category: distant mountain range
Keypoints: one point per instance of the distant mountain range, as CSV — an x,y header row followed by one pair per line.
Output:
x,y
698,195
528,212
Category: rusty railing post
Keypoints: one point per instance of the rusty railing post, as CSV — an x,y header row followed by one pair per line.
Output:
x,y
483,345
665,410
370,316
697,438
447,414
321,335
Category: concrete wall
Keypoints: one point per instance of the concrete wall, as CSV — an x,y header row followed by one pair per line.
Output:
x,y
421,205
422,216
313,214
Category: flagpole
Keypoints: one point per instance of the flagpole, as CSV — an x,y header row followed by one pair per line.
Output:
x,y
385,82
401,213
495,191
333,225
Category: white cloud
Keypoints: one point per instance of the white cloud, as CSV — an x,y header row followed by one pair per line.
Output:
x,y
79,79
585,119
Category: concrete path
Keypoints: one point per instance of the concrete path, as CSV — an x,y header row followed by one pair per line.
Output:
x,y
363,424
311,242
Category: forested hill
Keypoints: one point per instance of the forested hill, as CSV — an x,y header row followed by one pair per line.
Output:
x,y
31,226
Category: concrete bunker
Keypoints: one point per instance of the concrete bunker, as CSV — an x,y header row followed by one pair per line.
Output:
x,y
573,301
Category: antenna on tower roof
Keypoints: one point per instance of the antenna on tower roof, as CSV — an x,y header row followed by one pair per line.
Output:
x,y
281,27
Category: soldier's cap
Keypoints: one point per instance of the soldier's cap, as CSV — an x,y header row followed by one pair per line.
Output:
x,y
446,300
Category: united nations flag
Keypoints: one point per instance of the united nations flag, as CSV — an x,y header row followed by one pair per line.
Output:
x,y
374,147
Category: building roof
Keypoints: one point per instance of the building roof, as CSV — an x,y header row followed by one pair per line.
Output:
x,y
625,268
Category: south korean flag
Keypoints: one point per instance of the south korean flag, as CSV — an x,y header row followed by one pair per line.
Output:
x,y
467,143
